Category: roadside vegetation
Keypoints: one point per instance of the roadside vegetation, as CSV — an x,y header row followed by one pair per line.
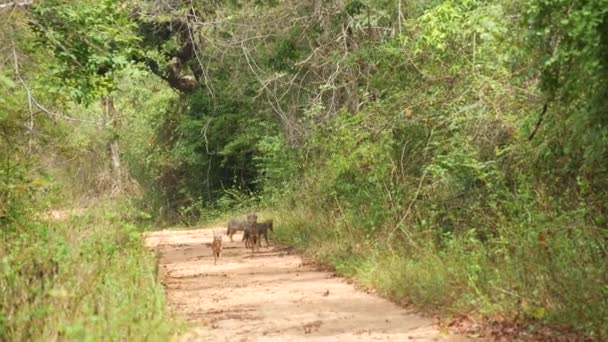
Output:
x,y
83,274
73,265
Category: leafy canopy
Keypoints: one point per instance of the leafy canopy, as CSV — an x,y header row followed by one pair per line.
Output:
x,y
91,40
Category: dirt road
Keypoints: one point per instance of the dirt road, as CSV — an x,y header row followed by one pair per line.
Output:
x,y
273,295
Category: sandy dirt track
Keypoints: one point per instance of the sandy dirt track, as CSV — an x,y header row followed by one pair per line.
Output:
x,y
272,295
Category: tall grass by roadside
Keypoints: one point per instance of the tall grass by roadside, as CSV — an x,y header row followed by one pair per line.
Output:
x,y
84,276
558,279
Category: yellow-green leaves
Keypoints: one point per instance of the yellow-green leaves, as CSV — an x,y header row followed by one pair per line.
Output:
x,y
90,40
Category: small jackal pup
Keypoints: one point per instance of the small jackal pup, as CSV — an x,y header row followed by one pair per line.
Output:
x,y
262,228
216,246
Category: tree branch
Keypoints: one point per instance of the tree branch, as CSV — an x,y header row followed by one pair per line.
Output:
x,y
538,123
32,100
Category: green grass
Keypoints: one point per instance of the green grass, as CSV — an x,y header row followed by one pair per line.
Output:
x,y
561,284
88,277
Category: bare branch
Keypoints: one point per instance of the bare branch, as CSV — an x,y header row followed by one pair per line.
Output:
x,y
32,100
539,122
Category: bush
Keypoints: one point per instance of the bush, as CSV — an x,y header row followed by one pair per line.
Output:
x,y
86,276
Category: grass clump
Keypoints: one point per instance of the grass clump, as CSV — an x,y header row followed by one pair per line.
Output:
x,y
84,276
544,274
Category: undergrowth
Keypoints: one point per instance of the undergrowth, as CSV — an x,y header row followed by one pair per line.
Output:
x,y
559,281
81,275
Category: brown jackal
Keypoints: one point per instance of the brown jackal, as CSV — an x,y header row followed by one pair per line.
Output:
x,y
252,231
248,239
262,228
216,246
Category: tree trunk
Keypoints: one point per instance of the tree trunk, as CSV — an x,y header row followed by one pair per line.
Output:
x,y
117,172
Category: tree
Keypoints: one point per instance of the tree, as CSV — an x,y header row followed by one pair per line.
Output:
x,y
92,41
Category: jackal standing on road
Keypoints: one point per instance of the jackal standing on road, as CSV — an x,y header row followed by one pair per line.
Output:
x,y
216,246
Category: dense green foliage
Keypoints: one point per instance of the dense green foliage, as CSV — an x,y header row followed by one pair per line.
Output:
x,y
79,274
454,153
91,41
83,274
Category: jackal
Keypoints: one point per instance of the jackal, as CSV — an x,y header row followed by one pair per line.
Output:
x,y
252,231
234,226
216,246
262,228
248,239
